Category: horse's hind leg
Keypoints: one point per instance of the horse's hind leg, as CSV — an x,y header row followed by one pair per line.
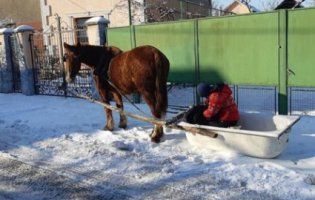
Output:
x,y
119,104
157,132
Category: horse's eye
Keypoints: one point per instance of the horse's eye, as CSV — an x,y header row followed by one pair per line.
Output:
x,y
64,58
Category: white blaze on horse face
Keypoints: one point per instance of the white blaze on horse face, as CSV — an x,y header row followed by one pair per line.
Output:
x,y
68,74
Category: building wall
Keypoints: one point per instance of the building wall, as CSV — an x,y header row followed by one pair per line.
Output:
x,y
114,10
237,8
21,12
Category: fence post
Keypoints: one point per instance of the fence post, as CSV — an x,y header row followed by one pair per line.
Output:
x,y
96,32
283,63
24,33
197,61
6,65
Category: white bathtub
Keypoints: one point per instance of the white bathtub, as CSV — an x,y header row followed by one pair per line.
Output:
x,y
258,135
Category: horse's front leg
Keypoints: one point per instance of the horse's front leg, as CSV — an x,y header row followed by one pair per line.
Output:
x,y
119,104
102,89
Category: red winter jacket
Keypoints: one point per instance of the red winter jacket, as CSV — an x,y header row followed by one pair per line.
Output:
x,y
222,103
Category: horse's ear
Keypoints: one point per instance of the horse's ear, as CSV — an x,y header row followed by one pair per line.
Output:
x,y
78,44
66,46
71,48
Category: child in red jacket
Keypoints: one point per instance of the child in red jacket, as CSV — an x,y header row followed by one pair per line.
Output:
x,y
221,109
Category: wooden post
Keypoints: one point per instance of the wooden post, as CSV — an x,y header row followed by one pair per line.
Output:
x,y
283,63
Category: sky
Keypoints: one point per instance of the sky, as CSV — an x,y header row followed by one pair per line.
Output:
x,y
257,3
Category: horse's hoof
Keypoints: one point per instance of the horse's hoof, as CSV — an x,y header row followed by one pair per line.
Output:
x,y
123,122
155,140
124,126
107,128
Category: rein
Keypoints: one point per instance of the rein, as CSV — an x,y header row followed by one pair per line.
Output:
x,y
129,100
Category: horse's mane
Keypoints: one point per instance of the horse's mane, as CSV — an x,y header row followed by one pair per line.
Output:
x,y
91,54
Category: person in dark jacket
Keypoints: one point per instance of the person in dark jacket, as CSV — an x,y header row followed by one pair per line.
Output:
x,y
220,109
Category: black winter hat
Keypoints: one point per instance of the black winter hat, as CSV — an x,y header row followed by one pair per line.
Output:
x,y
204,89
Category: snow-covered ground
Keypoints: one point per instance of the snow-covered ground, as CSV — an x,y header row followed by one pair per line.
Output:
x,y
54,148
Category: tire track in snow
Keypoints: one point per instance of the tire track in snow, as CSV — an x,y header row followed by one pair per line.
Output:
x,y
177,186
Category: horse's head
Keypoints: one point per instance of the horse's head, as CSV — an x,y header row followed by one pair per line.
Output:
x,y
72,60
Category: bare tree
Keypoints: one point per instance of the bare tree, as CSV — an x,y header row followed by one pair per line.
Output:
x,y
165,10
137,7
247,1
159,11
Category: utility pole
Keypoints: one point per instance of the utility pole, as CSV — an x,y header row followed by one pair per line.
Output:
x,y
129,11
210,7
181,9
136,96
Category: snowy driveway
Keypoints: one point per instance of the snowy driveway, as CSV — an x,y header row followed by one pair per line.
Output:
x,y
53,148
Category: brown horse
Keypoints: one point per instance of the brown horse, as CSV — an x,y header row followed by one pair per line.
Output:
x,y
143,70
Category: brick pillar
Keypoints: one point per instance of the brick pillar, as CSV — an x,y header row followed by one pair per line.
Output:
x,y
6,65
25,60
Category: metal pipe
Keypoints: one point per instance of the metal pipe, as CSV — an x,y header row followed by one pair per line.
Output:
x,y
61,53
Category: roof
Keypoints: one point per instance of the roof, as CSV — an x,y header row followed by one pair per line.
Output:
x,y
289,4
250,7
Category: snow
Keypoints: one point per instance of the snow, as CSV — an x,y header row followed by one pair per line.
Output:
x,y
56,147
24,28
6,31
97,20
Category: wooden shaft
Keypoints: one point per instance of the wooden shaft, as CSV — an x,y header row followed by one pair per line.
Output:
x,y
194,130
138,117
154,121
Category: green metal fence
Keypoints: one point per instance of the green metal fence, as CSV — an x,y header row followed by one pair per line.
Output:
x,y
268,49
301,47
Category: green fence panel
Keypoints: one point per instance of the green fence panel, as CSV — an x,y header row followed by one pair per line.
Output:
x,y
120,37
240,49
176,41
301,47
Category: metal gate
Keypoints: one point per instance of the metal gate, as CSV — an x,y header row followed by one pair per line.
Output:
x,y
49,71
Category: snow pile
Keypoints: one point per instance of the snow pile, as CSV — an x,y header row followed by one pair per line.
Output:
x,y
64,136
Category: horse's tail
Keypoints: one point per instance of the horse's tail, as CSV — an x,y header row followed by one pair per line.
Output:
x,y
162,69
